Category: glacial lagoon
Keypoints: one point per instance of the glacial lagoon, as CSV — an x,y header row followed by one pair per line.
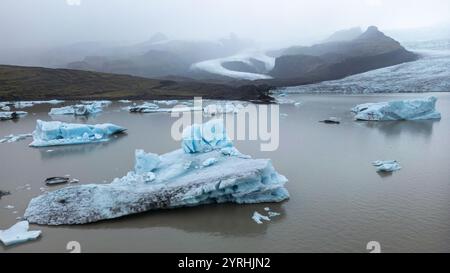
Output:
x,y
338,201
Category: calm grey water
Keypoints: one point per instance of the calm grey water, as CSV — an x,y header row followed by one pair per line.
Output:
x,y
338,202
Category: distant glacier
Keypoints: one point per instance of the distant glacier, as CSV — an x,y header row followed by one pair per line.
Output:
x,y
431,73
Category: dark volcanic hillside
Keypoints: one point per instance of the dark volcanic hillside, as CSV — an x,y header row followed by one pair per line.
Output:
x,y
36,83
335,60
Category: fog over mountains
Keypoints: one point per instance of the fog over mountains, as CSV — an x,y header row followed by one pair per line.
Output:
x,y
234,43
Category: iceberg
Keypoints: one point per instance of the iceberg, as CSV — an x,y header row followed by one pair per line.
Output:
x,y
78,109
53,133
149,107
12,115
387,165
416,109
173,180
18,233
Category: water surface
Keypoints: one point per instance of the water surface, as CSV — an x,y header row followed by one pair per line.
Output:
x,y
338,202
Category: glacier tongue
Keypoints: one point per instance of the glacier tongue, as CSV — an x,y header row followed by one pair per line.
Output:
x,y
171,180
416,109
52,133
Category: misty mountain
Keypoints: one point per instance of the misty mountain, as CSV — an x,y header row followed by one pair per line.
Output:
x,y
160,57
333,60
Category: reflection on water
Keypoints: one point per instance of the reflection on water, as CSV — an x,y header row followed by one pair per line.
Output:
x,y
215,219
395,128
80,149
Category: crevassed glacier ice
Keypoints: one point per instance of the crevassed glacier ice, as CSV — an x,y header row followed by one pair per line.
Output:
x,y
18,233
416,109
53,133
171,180
428,74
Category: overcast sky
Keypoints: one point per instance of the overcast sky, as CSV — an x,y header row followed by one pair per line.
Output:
x,y
54,22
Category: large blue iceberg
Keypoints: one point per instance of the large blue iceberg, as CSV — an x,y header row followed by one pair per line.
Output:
x,y
53,133
416,109
176,179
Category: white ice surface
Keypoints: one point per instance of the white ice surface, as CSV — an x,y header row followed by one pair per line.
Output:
x,y
431,73
52,133
18,233
415,109
386,165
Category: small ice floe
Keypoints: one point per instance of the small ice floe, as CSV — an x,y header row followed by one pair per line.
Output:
x,y
221,108
9,207
54,133
284,115
387,165
100,103
4,193
331,120
18,233
146,107
13,138
416,109
149,107
258,218
209,162
273,214
167,181
124,101
25,104
166,102
73,181
297,104
51,181
6,108
12,115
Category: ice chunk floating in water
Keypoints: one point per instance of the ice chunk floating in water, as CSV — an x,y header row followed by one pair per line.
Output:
x,y
12,115
417,109
18,234
54,133
386,166
177,180
80,109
